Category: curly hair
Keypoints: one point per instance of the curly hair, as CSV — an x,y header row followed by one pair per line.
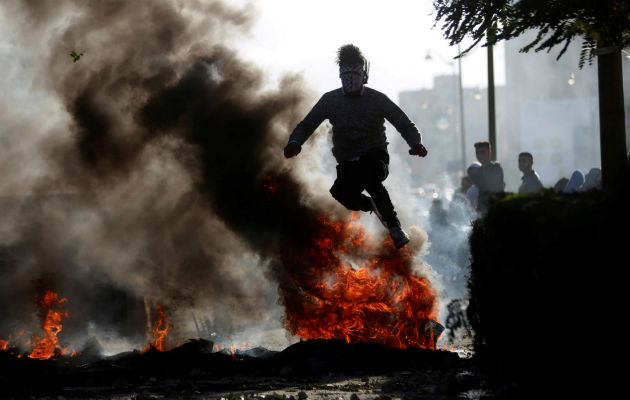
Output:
x,y
349,55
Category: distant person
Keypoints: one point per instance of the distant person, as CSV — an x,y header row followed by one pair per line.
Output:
x,y
489,177
472,194
560,185
592,180
437,215
465,184
460,208
460,194
530,181
357,115
575,181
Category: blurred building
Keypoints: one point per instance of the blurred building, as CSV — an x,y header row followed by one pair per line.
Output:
x,y
548,107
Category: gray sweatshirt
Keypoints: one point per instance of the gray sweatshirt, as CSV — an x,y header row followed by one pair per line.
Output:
x,y
358,122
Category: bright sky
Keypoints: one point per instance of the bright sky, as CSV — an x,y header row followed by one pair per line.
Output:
x,y
395,36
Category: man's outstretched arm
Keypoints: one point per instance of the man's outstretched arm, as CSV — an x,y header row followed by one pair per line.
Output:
x,y
407,129
305,129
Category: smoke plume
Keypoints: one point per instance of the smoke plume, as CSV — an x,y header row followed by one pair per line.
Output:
x,y
142,172
149,171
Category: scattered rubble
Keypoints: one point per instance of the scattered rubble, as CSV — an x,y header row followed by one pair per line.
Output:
x,y
309,370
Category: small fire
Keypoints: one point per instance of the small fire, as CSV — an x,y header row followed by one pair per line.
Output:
x,y
383,301
4,344
270,185
233,348
51,312
161,326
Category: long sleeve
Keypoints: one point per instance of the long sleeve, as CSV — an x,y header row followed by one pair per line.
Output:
x,y
401,122
313,119
358,122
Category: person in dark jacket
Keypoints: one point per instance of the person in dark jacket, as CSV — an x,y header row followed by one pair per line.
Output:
x,y
357,115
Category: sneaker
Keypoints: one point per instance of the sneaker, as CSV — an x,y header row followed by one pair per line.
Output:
x,y
399,236
378,214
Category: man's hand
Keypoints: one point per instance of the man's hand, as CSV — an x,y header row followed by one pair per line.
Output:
x,y
292,149
418,150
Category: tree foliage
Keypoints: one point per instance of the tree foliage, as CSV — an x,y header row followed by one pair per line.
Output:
x,y
598,23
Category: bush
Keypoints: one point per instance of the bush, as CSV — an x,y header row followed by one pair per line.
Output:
x,y
541,283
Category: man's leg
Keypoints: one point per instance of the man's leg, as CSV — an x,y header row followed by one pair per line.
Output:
x,y
383,203
349,185
375,170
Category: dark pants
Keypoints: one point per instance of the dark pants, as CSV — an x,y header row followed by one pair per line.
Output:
x,y
367,173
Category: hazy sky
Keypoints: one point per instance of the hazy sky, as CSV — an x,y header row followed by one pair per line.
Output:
x,y
302,36
297,36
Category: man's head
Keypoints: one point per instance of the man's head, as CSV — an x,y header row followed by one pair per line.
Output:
x,y
353,69
483,151
525,162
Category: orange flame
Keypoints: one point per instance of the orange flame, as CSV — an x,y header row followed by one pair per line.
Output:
x,y
4,344
161,326
233,348
383,301
46,346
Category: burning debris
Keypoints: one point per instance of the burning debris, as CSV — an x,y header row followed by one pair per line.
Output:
x,y
381,301
51,315
161,326
51,311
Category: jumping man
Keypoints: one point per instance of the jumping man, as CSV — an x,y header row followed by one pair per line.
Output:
x,y
357,115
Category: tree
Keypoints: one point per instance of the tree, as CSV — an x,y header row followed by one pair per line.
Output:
x,y
603,26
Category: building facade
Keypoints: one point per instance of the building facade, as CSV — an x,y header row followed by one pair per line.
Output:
x,y
547,107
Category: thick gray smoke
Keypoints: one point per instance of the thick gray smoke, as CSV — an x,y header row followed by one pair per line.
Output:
x,y
132,176
150,171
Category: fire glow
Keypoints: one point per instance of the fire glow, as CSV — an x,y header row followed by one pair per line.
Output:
x,y
233,348
52,313
270,185
161,327
383,301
